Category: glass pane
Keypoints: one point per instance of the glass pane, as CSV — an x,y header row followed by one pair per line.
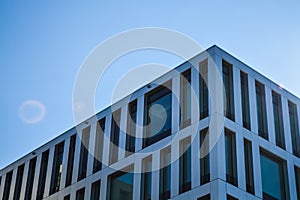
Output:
x,y
271,177
121,186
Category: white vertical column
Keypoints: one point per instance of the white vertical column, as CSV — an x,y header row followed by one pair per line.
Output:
x,y
36,176
257,168
13,183
174,168
49,172
218,190
87,192
270,115
65,163
240,158
137,177
291,178
155,175
24,181
106,141
216,127
139,124
122,138
103,193
237,95
91,149
195,159
195,100
286,125
175,103
252,104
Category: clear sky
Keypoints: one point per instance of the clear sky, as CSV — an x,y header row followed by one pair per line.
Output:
x,y
43,44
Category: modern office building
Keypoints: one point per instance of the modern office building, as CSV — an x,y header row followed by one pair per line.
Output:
x,y
236,137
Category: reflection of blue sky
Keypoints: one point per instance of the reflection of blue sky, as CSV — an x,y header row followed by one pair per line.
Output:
x,y
42,45
126,178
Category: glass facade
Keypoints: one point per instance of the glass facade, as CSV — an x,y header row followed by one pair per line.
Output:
x,y
294,125
115,136
249,166
95,191
165,174
97,165
158,114
18,185
203,93
275,187
42,176
204,161
57,168
121,185
80,194
161,178
131,128
245,100
185,165
71,160
261,110
228,86
230,156
146,178
278,121
84,151
30,179
7,185
185,99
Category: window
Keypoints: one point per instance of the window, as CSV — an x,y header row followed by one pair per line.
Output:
x,y
57,168
114,137
18,184
297,176
261,110
80,194
206,197
30,179
203,93
278,121
95,193
185,165
7,185
230,197
230,156
245,100
249,166
67,197
277,186
121,184
146,179
294,128
204,161
165,173
131,128
42,176
84,151
185,98
97,165
228,86
71,160
158,114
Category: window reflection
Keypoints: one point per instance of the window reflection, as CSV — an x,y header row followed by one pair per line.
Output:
x,y
121,185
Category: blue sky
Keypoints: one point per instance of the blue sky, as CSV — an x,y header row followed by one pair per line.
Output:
x,y
43,44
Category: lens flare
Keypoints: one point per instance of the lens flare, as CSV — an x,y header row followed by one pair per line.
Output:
x,y
32,111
